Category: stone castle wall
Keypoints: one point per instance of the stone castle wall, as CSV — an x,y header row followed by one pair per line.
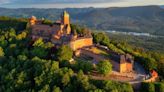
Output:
x,y
122,68
129,67
126,67
80,43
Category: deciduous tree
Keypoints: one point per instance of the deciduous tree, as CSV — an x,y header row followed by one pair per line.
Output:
x,y
104,67
64,53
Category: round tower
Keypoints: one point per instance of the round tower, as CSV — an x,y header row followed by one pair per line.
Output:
x,y
33,20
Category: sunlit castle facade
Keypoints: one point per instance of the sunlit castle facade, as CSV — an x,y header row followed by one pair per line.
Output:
x,y
58,32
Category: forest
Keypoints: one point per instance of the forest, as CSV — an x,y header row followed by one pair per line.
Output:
x,y
32,66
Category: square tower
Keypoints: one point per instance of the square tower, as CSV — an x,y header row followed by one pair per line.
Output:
x,y
65,18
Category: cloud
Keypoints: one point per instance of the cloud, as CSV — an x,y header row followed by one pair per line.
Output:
x,y
4,1
76,3
56,1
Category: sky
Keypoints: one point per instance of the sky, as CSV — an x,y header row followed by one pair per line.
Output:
x,y
76,3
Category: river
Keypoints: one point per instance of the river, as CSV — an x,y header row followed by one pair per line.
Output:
x,y
133,33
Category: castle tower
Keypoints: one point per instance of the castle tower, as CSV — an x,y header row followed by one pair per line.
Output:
x,y
33,20
65,18
66,22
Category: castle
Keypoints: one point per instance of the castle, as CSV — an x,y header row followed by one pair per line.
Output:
x,y
58,32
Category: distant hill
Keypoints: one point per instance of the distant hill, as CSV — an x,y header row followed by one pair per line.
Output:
x,y
138,19
162,6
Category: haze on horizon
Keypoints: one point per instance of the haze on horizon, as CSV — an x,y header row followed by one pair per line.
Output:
x,y
76,3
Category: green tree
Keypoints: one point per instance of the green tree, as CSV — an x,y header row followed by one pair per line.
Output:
x,y
83,80
97,90
56,89
20,81
159,87
54,66
86,66
46,88
21,36
104,67
161,67
3,42
1,52
110,86
22,57
24,51
48,45
150,64
126,88
147,87
38,43
65,79
12,33
101,38
64,53
39,51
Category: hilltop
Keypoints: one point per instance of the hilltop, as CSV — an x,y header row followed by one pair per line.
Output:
x,y
148,19
39,57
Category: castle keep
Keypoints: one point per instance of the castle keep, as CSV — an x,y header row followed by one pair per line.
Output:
x,y
58,32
